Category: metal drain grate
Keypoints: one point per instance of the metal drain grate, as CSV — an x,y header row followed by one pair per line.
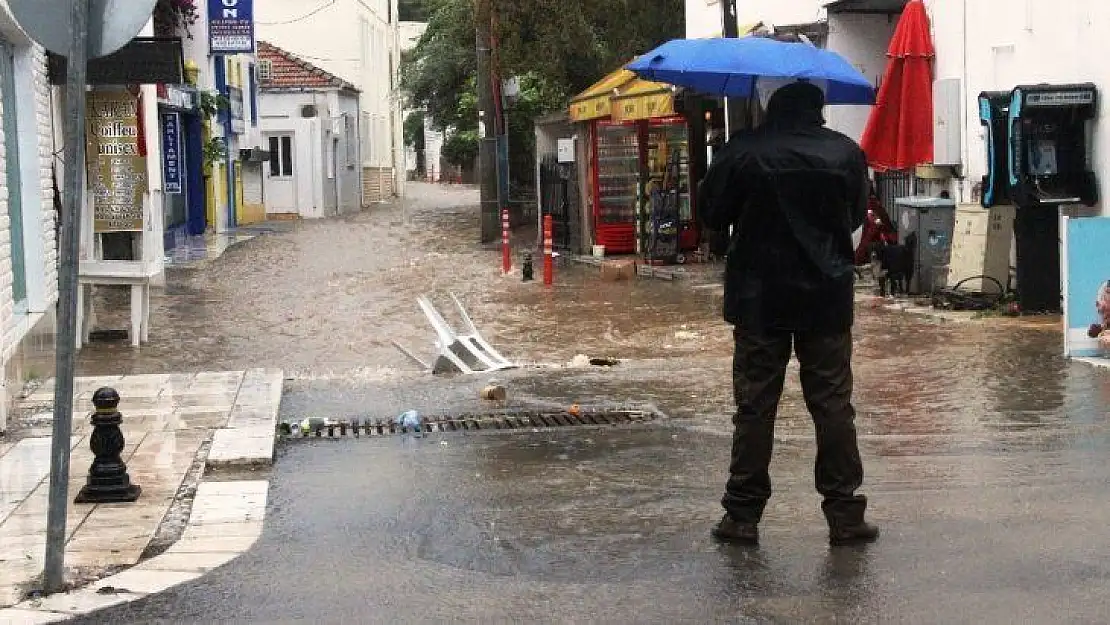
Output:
x,y
525,420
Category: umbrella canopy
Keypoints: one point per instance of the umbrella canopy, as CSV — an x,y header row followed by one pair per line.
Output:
x,y
733,67
899,133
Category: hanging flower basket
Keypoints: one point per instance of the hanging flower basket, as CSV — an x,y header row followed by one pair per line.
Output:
x,y
174,17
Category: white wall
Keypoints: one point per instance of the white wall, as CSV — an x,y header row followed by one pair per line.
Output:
x,y
1011,42
349,170
703,17
353,39
35,148
863,40
433,150
316,185
281,114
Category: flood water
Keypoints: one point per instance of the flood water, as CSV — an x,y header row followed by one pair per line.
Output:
x,y
984,450
324,300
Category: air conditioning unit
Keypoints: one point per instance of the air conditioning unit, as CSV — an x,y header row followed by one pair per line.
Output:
x,y
309,111
254,155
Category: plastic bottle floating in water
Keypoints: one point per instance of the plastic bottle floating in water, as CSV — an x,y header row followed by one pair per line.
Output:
x,y
410,421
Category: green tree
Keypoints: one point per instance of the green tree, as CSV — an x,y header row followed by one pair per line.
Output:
x,y
556,48
413,10
414,138
438,74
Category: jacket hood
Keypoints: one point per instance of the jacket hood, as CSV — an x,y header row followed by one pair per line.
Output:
x,y
799,103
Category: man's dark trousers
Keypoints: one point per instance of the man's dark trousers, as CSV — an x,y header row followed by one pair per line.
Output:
x,y
759,372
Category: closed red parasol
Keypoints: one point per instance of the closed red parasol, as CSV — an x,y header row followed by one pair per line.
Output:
x,y
899,133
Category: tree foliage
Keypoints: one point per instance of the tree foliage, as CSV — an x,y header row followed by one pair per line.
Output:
x,y
414,130
556,48
439,72
572,43
413,10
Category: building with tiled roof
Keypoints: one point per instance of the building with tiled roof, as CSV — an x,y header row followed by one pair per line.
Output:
x,y
311,124
352,41
281,70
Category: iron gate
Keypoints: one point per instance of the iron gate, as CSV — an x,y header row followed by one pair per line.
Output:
x,y
892,185
559,197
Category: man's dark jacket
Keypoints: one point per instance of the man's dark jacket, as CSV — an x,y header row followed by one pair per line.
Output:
x,y
795,192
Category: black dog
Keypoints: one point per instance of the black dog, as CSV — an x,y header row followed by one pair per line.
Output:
x,y
895,264
901,265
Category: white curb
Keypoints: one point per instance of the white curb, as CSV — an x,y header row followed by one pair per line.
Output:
x,y
225,522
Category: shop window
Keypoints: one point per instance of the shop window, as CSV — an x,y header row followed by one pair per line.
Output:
x,y
281,156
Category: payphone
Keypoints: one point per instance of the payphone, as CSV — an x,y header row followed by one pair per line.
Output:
x,y
1047,166
994,109
1048,145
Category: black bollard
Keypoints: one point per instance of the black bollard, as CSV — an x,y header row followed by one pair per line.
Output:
x,y
108,481
526,267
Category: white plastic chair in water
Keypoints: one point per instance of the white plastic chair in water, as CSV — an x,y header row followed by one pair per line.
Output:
x,y
467,352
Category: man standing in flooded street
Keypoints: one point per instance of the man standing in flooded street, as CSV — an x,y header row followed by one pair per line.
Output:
x,y
794,191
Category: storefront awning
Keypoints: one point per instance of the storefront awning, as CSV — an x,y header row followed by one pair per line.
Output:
x,y
596,101
643,99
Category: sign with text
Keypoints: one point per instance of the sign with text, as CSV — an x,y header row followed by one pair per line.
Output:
x,y
171,153
116,166
230,26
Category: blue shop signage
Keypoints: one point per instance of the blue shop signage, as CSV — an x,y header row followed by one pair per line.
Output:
x,y
231,26
171,153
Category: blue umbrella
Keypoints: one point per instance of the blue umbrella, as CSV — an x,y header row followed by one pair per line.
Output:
x,y
732,67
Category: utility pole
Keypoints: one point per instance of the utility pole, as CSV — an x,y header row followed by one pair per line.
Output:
x,y
487,128
66,339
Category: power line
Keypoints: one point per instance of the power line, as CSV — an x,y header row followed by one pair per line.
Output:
x,y
320,58
318,9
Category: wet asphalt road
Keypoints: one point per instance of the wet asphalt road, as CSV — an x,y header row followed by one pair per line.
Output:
x,y
985,453
610,526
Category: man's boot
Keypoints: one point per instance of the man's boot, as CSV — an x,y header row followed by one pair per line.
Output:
x,y
729,530
858,534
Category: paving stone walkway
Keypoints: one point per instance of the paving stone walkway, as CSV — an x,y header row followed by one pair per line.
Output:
x,y
167,420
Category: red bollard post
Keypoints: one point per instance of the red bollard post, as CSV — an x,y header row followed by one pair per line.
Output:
x,y
548,269
506,249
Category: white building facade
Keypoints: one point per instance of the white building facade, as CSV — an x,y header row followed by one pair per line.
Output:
x,y
359,41
981,45
310,123
28,241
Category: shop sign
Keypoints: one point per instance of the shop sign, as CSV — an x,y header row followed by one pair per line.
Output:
x,y
171,153
117,170
177,96
231,26
235,107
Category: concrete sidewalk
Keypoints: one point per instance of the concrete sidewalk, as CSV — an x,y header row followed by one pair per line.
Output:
x,y
169,422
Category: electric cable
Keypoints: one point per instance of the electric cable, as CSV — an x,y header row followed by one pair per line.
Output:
x,y
326,5
956,299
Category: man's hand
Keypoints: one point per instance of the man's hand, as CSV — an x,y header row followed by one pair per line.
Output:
x,y
1095,330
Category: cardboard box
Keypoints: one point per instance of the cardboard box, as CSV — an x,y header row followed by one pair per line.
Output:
x,y
617,270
